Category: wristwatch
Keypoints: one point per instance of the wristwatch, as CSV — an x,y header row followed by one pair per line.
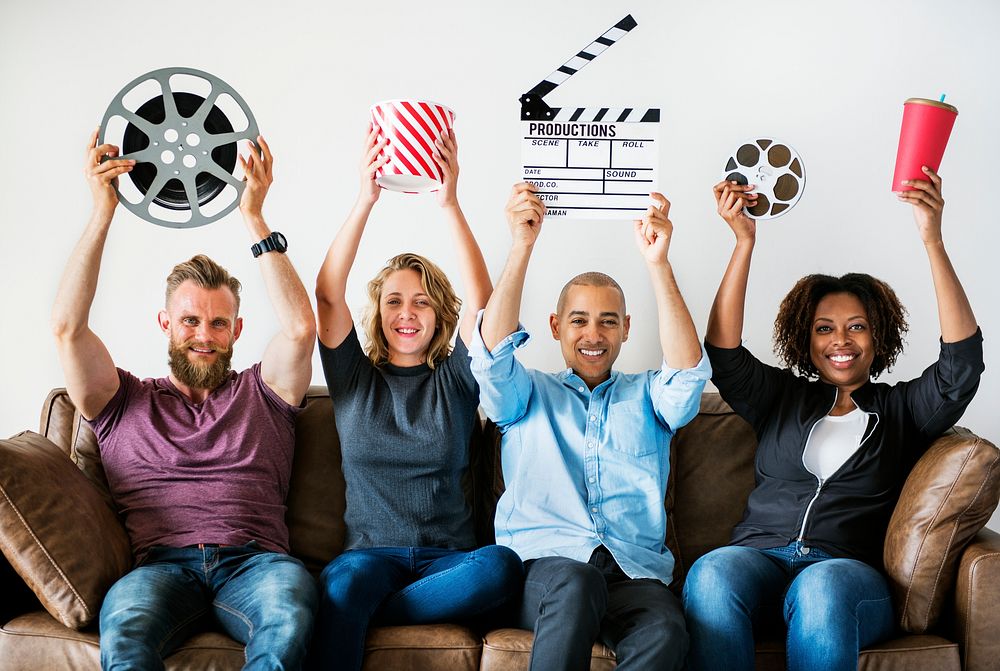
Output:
x,y
275,242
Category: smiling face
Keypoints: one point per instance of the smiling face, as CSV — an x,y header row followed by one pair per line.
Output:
x,y
202,325
408,318
590,328
841,345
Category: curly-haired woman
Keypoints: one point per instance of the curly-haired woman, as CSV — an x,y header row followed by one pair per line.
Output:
x,y
405,409
834,449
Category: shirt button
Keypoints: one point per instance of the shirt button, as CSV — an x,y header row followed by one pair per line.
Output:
x,y
804,550
593,418
601,535
592,479
593,510
580,389
590,444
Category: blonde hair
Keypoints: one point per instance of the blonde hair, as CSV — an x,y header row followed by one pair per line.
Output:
x,y
443,299
204,272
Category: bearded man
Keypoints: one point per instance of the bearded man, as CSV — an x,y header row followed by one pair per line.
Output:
x,y
198,462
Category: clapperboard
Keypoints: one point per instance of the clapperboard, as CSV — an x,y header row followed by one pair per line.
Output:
x,y
589,162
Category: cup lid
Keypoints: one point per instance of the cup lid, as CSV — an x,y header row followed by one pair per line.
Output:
x,y
932,103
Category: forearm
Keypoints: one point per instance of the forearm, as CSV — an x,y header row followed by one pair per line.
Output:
x,y
678,336
725,321
331,282
78,286
284,288
954,311
504,307
472,265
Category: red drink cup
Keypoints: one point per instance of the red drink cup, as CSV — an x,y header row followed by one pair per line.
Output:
x,y
926,127
411,128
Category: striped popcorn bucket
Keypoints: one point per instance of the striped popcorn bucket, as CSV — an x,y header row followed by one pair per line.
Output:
x,y
411,127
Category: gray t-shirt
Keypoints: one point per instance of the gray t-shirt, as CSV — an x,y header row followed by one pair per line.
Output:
x,y
404,437
183,473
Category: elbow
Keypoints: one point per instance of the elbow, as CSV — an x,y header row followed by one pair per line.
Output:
x,y
62,327
303,331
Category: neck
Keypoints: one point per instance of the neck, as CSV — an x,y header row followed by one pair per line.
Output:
x,y
193,394
592,382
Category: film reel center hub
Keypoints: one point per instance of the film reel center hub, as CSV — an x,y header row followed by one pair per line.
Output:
x,y
181,126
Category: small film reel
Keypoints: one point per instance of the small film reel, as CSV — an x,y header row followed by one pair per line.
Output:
x,y
181,126
776,170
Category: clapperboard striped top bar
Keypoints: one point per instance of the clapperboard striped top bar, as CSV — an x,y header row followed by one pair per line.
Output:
x,y
534,108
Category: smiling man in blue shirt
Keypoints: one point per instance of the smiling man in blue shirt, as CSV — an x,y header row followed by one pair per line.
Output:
x,y
586,455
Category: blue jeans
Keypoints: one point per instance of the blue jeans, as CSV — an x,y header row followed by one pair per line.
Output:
x,y
265,600
405,585
832,607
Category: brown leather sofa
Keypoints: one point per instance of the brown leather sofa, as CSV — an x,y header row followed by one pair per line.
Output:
x,y
946,570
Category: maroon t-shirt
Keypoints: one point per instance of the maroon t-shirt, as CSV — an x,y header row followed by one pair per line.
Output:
x,y
214,472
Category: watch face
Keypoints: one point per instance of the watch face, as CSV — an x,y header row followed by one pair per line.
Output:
x,y
280,243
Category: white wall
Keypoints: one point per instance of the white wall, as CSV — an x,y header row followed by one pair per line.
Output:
x,y
829,78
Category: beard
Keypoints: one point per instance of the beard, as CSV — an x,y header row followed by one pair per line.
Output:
x,y
199,375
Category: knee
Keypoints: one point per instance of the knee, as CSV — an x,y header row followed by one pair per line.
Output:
x,y
577,584
502,567
710,578
351,568
832,589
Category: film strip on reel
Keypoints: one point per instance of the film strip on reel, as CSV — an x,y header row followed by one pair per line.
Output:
x,y
596,162
777,171
181,126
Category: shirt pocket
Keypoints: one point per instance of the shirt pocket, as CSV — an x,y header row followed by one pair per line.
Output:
x,y
630,422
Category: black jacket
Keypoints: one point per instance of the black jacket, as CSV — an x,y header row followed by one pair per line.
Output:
x,y
848,515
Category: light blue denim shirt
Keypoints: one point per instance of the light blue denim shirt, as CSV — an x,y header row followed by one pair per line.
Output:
x,y
585,468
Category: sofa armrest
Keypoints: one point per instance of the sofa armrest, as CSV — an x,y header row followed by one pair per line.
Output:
x,y
977,602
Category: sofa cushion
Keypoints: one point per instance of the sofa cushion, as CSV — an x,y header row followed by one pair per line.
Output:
x,y
948,497
57,531
711,475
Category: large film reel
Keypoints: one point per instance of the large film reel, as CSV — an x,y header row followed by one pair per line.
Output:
x,y
182,127
777,171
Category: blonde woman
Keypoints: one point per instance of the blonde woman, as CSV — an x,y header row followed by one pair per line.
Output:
x,y
405,408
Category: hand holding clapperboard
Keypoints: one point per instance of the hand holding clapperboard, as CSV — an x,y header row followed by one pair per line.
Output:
x,y
589,162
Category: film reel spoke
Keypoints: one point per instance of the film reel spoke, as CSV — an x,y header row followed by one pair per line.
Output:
x,y
218,171
154,188
184,142
191,191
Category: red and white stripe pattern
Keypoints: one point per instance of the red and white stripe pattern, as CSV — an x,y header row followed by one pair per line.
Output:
x,y
412,127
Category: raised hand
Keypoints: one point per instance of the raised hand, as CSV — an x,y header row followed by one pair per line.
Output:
x,y
525,212
103,176
928,204
653,231
446,156
370,162
731,199
258,177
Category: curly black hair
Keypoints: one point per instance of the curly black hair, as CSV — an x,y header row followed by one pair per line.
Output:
x,y
793,326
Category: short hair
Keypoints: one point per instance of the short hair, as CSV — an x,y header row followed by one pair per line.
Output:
x,y
443,299
204,272
589,279
793,326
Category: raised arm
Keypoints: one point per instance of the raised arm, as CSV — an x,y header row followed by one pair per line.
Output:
x,y
334,317
287,363
954,311
725,321
91,378
678,337
525,212
472,265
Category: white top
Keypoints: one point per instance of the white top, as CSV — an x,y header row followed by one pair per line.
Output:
x,y
832,441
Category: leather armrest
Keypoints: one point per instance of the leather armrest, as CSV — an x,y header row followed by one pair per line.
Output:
x,y
977,602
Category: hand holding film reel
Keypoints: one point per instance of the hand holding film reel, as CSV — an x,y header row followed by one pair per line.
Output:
x,y
181,126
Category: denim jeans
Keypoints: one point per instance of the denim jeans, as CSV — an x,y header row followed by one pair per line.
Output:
x,y
405,585
570,604
832,607
265,600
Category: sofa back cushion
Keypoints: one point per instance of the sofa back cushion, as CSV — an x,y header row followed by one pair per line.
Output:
x,y
948,497
711,475
57,531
